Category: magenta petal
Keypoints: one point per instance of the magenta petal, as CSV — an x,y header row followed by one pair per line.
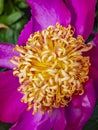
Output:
x,y
82,13
25,33
6,53
55,121
81,108
10,105
94,75
94,52
48,12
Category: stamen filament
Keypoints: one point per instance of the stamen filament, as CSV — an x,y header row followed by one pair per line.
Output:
x,y
51,68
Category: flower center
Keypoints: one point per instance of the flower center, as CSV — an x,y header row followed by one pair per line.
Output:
x,y
51,68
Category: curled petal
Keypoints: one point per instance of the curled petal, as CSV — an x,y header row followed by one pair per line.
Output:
x,y
48,12
82,14
10,105
6,53
25,33
81,108
3,26
55,121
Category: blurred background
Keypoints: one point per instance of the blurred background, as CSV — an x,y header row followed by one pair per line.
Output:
x,y
14,14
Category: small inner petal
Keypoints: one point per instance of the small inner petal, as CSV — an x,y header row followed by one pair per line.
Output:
x,y
51,68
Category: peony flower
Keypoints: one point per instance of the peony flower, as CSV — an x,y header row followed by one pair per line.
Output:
x,y
51,81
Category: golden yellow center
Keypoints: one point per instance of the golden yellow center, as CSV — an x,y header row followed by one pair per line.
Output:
x,y
51,68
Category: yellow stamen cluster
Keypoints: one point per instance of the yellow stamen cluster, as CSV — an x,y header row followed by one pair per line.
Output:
x,y
51,68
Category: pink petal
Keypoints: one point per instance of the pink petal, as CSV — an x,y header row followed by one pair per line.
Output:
x,y
6,53
81,108
48,12
25,33
94,52
55,121
82,13
94,75
10,105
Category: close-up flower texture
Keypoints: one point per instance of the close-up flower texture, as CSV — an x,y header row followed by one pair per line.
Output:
x,y
49,79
